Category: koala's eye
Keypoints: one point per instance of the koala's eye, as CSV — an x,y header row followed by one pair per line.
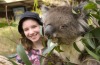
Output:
x,y
48,24
63,26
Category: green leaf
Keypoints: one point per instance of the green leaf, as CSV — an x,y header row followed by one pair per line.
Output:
x,y
67,59
93,54
96,33
35,3
74,12
98,2
89,42
11,56
98,50
49,63
96,16
57,48
90,22
50,46
22,54
69,63
75,46
41,30
90,5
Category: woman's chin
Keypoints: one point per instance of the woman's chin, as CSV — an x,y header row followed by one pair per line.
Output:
x,y
35,40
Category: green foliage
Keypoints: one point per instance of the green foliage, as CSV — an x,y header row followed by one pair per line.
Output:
x,y
95,11
91,43
91,40
98,2
4,23
90,5
41,32
69,63
75,46
88,40
22,54
35,7
50,48
35,3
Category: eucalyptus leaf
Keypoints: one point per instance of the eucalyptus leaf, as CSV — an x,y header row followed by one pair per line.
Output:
x,y
90,22
67,59
96,33
69,63
22,54
90,5
75,46
93,54
98,2
48,50
98,50
35,3
74,12
57,48
96,16
88,37
49,63
11,56
85,42
50,47
41,32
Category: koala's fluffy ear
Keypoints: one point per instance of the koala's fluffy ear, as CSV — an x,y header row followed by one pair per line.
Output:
x,y
44,8
79,10
81,15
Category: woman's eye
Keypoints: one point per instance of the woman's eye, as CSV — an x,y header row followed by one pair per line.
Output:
x,y
33,26
25,29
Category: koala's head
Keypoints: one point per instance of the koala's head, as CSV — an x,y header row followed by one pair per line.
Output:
x,y
60,23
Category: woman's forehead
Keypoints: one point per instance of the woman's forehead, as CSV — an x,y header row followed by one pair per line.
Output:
x,y
29,23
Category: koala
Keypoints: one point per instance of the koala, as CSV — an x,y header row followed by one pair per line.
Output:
x,y
64,28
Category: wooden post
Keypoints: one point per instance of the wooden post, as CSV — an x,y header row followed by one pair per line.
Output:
x,y
6,15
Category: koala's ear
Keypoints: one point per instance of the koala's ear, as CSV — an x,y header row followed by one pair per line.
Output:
x,y
79,10
44,8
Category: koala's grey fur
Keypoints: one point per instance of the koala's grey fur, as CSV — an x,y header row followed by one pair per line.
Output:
x,y
61,24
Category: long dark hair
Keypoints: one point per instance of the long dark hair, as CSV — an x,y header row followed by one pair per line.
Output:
x,y
26,43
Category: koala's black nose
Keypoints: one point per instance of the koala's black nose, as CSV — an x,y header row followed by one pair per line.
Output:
x,y
48,31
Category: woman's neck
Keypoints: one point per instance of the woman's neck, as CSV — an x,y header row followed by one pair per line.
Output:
x,y
38,45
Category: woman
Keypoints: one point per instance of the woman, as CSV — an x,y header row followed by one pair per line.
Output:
x,y
29,28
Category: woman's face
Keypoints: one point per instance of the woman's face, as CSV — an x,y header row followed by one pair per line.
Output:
x,y
31,30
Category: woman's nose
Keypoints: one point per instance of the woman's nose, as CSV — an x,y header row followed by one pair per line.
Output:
x,y
31,31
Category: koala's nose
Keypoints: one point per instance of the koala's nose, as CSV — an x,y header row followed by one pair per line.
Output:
x,y
49,30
